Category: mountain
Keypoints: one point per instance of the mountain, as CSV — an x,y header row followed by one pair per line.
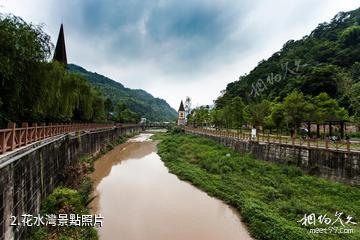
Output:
x,y
326,60
137,100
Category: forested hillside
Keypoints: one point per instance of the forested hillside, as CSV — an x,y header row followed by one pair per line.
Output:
x,y
327,60
316,78
137,100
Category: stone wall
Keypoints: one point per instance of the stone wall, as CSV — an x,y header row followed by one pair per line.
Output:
x,y
338,165
28,175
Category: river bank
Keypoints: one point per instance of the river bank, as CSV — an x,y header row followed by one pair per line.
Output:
x,y
140,199
271,198
72,197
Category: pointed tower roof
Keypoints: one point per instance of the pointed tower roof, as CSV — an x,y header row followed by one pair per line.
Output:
x,y
60,50
181,108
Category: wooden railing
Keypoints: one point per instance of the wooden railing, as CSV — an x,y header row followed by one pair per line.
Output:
x,y
14,137
267,138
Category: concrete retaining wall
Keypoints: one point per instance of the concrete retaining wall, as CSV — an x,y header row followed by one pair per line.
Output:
x,y
28,175
338,165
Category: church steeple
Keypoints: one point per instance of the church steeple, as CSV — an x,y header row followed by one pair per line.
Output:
x,y
181,108
60,50
181,114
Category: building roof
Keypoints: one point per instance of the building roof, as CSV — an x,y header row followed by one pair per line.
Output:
x,y
60,50
181,108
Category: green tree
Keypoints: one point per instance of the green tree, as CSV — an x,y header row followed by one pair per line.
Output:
x,y
255,113
98,108
351,35
355,101
33,89
277,116
23,48
322,78
297,109
328,108
109,107
227,116
201,116
125,115
217,118
237,112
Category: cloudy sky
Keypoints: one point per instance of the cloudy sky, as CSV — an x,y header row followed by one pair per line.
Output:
x,y
175,48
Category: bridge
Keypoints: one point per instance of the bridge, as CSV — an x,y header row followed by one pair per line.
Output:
x,y
154,125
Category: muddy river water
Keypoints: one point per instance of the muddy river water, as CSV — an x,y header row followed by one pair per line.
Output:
x,y
140,200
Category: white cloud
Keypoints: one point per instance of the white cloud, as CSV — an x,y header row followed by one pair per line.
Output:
x,y
173,50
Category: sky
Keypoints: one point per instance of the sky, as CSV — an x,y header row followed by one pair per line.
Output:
x,y
172,48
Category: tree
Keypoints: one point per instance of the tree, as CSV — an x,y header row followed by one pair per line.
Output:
x,y
227,116
109,107
355,72
125,115
217,118
33,89
330,49
187,106
355,101
322,78
98,108
277,116
201,116
297,109
237,112
328,108
255,113
351,35
23,48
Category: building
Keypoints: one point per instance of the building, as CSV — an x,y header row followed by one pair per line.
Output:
x,y
181,115
143,121
60,50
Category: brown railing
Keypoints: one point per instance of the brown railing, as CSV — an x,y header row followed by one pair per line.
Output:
x,y
267,138
14,137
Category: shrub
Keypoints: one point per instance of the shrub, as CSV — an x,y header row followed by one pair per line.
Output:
x,y
63,200
85,190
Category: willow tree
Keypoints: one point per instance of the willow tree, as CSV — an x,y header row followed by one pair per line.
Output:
x,y
23,47
33,88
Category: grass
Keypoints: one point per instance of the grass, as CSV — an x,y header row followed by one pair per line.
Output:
x,y
271,198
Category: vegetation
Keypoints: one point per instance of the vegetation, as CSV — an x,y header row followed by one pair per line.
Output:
x,y
288,114
34,89
305,77
136,100
72,197
270,198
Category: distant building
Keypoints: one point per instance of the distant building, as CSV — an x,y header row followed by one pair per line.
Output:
x,y
181,115
143,121
60,50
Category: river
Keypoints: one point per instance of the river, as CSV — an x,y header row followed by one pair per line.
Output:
x,y
140,200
